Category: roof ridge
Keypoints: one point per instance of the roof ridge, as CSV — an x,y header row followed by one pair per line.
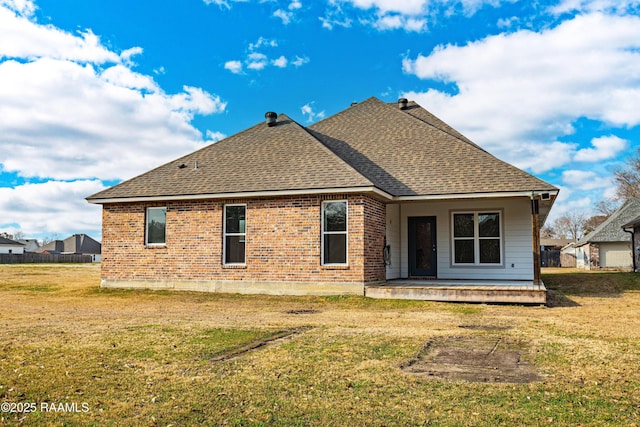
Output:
x,y
454,134
327,149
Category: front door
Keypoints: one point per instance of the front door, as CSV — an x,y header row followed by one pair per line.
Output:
x,y
422,246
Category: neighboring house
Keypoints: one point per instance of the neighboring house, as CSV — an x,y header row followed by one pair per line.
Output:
x,y
609,246
633,228
30,245
8,246
78,244
551,253
376,192
568,256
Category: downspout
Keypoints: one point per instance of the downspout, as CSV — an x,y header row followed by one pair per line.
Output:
x,y
633,248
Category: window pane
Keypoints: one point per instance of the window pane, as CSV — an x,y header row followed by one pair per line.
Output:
x,y
335,216
235,219
335,249
490,251
463,251
489,224
234,250
156,225
463,225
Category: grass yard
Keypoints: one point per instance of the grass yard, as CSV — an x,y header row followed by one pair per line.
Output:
x,y
117,357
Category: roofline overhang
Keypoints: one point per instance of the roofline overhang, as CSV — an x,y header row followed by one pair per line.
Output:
x,y
495,195
246,194
340,190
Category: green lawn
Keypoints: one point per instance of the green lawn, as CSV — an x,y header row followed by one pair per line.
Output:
x,y
117,357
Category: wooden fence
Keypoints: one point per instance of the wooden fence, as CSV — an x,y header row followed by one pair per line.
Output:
x,y
43,258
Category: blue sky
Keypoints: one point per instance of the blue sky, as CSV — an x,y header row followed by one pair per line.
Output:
x,y
95,92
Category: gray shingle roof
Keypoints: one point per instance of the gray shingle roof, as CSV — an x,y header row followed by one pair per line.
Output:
x,y
403,152
261,158
5,241
611,229
410,152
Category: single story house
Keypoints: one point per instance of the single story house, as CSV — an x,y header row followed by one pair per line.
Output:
x,y
633,228
30,245
77,244
8,246
609,246
375,193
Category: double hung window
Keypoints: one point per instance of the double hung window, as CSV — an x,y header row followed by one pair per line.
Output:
x,y
235,234
477,238
334,233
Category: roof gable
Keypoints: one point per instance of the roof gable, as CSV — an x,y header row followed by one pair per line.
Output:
x,y
611,229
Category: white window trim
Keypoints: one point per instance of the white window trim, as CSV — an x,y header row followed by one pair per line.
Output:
x,y
477,238
225,234
146,226
323,233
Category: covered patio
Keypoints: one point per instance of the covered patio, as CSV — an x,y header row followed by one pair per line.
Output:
x,y
458,290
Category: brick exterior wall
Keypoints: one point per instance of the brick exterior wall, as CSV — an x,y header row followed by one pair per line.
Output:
x,y
283,241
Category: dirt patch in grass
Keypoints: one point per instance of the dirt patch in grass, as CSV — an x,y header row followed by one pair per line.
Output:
x,y
473,359
303,311
276,337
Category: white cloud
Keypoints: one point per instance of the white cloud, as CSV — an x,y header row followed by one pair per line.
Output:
x,y
215,136
22,38
234,66
285,16
585,180
261,43
409,15
307,110
75,113
23,7
126,54
300,61
527,86
588,6
257,60
50,207
294,5
605,147
280,62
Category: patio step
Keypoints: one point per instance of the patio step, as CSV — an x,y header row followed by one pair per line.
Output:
x,y
468,292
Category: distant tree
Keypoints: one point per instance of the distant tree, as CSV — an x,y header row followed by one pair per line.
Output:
x,y
547,232
593,222
49,238
18,235
606,207
570,226
627,178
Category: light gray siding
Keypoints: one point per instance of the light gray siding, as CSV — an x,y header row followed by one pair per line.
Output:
x,y
393,240
516,238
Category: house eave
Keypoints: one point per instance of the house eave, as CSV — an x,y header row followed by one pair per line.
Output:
x,y
245,194
494,195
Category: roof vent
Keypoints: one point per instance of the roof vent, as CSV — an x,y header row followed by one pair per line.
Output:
x,y
271,118
354,103
402,103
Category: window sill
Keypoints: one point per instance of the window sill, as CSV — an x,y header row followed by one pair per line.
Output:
x,y
235,266
155,246
335,267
